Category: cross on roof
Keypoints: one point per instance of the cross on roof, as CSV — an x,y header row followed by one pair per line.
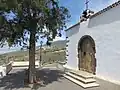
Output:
x,y
86,3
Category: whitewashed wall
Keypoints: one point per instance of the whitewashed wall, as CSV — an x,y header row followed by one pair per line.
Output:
x,y
72,47
74,36
105,30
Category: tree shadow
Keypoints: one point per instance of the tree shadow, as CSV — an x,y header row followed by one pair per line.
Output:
x,y
14,80
48,76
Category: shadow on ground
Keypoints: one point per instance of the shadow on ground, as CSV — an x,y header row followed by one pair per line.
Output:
x,y
14,80
48,76
50,79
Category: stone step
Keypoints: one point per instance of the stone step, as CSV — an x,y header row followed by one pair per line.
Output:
x,y
89,85
89,80
82,74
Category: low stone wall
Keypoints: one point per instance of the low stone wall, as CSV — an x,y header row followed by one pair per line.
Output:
x,y
9,67
5,69
2,71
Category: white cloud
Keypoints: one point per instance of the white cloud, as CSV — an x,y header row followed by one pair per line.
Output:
x,y
97,5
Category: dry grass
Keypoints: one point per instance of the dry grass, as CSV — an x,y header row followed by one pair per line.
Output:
x,y
48,56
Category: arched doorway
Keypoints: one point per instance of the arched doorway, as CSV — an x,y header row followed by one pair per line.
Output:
x,y
86,54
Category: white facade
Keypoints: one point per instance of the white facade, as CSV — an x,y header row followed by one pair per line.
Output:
x,y
105,30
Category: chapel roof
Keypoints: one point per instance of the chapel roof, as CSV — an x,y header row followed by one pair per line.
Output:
x,y
99,12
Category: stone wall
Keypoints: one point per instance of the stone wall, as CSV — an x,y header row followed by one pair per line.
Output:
x,y
8,67
5,69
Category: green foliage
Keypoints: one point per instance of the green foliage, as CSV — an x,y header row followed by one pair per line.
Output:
x,y
31,16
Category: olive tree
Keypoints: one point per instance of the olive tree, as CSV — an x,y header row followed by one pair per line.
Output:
x,y
34,18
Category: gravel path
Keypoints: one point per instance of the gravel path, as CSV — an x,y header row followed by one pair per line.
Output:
x,y
51,79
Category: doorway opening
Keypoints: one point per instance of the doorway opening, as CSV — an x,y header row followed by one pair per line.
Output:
x,y
86,54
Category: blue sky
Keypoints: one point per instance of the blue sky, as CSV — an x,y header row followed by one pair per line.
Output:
x,y
75,8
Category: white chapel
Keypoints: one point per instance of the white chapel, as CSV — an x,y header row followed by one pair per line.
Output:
x,y
93,44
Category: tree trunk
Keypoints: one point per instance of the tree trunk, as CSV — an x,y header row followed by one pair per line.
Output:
x,y
32,70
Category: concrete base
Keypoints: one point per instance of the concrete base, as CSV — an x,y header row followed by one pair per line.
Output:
x,y
107,79
2,71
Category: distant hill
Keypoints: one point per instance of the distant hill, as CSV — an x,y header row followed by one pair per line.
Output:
x,y
56,44
59,44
